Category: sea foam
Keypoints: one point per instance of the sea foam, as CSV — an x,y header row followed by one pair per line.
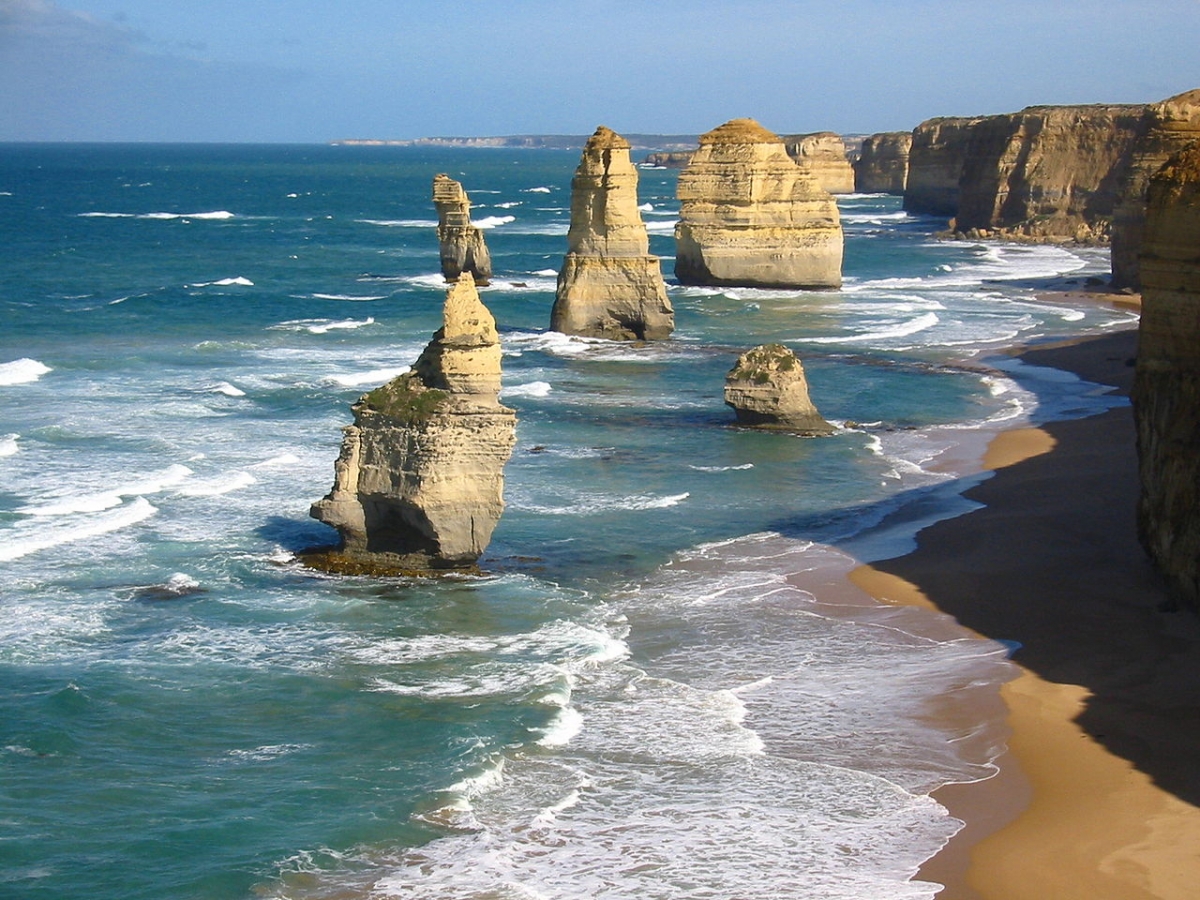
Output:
x,y
22,371
21,541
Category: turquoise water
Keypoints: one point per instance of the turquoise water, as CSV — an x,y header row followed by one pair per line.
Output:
x,y
661,688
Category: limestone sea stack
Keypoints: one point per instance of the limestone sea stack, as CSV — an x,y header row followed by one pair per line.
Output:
x,y
460,244
767,389
823,154
610,286
1169,127
419,483
1166,394
750,216
882,166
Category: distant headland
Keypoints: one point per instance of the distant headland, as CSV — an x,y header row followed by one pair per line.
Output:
x,y
532,141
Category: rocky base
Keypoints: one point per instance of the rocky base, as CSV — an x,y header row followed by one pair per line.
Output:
x,y
767,389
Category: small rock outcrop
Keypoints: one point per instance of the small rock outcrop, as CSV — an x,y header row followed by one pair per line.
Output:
x,y
460,244
1169,127
767,389
750,216
668,159
823,154
1166,394
1047,173
419,483
609,286
882,165
935,165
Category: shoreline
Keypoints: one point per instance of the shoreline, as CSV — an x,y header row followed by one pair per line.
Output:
x,y
1097,793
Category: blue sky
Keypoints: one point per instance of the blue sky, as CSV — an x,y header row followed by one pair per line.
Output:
x,y
316,70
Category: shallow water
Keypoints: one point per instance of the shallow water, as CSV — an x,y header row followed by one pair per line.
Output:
x,y
662,688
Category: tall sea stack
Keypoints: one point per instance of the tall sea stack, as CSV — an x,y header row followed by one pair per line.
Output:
x,y
750,216
882,167
419,483
460,244
1169,127
823,155
1166,394
610,286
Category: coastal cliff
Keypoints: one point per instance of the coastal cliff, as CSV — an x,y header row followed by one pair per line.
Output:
x,y
935,165
1048,173
767,388
823,154
882,165
460,244
419,482
1166,394
1168,128
609,286
750,216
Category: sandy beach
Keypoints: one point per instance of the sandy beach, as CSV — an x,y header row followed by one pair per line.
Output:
x,y
1098,795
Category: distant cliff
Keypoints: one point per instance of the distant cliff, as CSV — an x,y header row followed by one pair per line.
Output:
x,y
882,164
935,165
823,154
530,141
1166,395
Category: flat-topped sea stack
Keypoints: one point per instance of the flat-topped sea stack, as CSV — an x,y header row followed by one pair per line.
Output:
x,y
935,165
419,483
882,165
1047,173
460,244
1169,127
1166,394
823,154
609,286
749,216
767,389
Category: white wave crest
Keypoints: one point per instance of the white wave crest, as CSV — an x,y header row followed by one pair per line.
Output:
x,y
566,724
349,297
589,504
22,371
740,468
238,280
284,459
375,376
8,444
493,221
224,387
904,329
20,542
666,226
322,326
101,500
400,223
533,389
536,190
222,484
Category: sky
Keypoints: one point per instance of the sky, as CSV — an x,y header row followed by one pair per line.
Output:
x,y
313,71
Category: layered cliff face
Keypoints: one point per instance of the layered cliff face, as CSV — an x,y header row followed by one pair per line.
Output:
x,y
1047,172
767,389
1169,127
935,164
882,166
419,483
750,216
609,286
460,244
823,155
1166,395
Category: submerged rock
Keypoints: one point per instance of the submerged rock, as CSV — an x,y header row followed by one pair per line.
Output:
x,y
610,286
1166,394
750,216
419,482
460,244
767,389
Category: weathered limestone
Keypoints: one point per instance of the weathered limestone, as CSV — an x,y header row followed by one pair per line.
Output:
x,y
420,480
750,216
767,389
935,164
823,154
1166,395
1047,173
882,166
610,286
460,244
669,159
1168,127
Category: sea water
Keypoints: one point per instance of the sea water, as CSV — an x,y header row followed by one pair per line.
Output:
x,y
660,687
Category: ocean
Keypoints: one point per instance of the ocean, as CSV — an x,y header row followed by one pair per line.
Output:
x,y
661,686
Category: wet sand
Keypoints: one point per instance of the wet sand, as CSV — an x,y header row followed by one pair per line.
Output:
x,y
1098,795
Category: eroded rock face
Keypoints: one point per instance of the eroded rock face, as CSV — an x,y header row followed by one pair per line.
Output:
x,y
882,167
609,286
767,389
1169,127
750,216
1166,395
460,244
1047,173
823,155
935,165
419,482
